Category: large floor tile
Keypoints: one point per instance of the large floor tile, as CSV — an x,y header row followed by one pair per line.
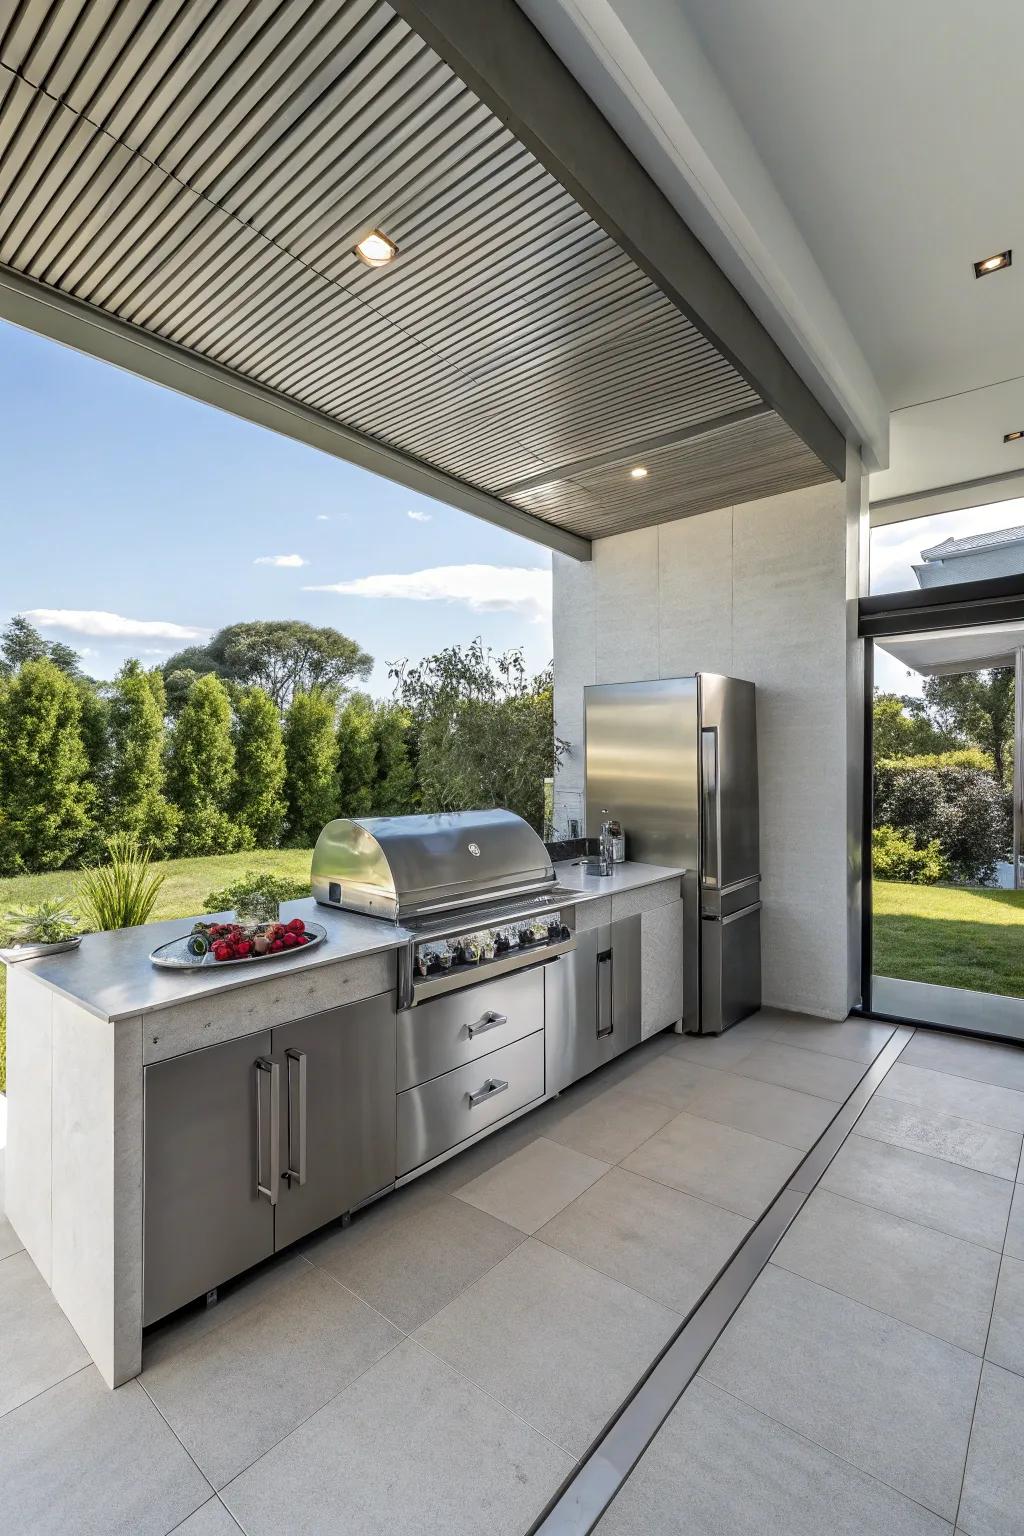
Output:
x,y
1015,1230
81,1460
183,1328
661,1242
414,1263
719,1051
410,1449
763,1109
923,1277
211,1519
938,1194
10,1242
893,1401
827,1077
985,1061
533,1185
731,1168
987,1148
38,1346
672,1079
555,1341
852,1039
962,1096
236,1391
720,1468
1006,1339
612,1125
993,1497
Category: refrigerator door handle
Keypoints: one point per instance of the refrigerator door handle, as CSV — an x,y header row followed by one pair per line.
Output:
x,y
710,815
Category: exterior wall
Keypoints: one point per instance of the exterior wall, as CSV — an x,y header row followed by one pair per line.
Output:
x,y
765,591
1005,560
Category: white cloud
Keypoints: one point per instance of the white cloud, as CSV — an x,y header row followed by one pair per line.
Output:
x,y
322,517
482,588
111,626
283,562
419,517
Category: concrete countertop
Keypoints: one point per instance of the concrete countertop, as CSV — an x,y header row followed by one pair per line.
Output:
x,y
112,976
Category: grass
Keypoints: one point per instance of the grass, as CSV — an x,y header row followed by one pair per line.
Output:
x,y
185,888
950,936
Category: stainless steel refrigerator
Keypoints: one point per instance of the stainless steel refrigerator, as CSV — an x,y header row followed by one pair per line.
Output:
x,y
675,761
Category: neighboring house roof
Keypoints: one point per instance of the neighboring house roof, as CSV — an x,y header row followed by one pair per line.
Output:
x,y
952,549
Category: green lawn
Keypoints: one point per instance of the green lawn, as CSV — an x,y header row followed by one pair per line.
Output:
x,y
187,883
950,936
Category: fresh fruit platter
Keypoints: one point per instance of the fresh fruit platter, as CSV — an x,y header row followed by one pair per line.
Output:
x,y
212,944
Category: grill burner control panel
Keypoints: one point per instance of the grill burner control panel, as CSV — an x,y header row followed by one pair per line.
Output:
x,y
449,956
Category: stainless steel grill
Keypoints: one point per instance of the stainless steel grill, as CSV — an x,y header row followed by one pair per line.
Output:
x,y
476,889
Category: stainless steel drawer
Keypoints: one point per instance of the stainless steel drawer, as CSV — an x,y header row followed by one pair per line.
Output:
x,y
436,1116
449,1031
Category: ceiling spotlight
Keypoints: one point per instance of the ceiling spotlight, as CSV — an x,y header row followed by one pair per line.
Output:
x,y
994,263
1013,437
375,249
638,472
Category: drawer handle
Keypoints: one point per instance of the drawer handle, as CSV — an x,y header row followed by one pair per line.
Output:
x,y
490,1090
490,1020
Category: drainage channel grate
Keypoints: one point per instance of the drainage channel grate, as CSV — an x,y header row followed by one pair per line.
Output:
x,y
580,1503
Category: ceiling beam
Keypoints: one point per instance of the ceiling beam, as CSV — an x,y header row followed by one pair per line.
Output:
x,y
62,318
499,53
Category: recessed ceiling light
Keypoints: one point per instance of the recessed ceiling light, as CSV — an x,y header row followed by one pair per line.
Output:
x,y
994,263
638,472
376,249
1013,437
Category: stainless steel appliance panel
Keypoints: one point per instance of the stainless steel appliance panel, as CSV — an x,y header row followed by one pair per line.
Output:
x,y
730,968
642,767
203,1217
337,1113
449,1031
436,1116
592,1001
729,795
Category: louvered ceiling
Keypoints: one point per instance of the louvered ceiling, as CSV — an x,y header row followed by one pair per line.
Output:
x,y
201,169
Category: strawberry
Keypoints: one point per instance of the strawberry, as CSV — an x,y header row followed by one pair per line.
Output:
x,y
276,946
290,940
296,925
303,939
243,949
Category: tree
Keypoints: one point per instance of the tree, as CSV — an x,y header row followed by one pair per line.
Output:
x,y
357,756
21,642
311,754
395,788
259,802
201,772
46,800
138,807
281,656
962,809
484,730
902,728
978,707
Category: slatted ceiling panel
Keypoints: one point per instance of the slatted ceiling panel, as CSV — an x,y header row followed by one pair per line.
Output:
x,y
759,457
202,168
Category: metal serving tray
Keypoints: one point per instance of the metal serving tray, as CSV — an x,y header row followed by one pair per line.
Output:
x,y
174,955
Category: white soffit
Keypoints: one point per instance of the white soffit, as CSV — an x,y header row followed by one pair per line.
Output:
x,y
956,440
641,62
947,651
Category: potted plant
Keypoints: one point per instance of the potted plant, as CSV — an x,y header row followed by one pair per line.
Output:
x,y
256,896
43,929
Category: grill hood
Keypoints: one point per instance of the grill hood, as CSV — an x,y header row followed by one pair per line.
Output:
x,y
403,867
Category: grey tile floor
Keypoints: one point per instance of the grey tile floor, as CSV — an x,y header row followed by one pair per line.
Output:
x,y
872,1382
439,1365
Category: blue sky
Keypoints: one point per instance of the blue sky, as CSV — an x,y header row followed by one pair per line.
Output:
x,y
128,508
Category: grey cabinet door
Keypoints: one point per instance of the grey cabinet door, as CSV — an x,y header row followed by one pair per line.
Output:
x,y
337,1076
204,1220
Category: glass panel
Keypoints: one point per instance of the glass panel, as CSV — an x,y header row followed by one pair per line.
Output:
x,y
975,544
945,910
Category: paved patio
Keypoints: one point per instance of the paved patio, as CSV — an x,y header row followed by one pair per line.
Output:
x,y
440,1365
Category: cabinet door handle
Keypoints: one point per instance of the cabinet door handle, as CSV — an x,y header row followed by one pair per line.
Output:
x,y
296,1169
490,1020
270,1069
605,994
490,1090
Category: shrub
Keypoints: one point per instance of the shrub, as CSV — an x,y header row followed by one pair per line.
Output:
x,y
258,885
311,753
959,757
395,788
121,893
258,800
201,773
896,856
357,756
46,798
964,810
138,807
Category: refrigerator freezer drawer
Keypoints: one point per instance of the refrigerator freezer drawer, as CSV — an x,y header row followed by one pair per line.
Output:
x,y
730,968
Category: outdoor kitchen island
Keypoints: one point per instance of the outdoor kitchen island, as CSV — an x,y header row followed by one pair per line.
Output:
x,y
168,1130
